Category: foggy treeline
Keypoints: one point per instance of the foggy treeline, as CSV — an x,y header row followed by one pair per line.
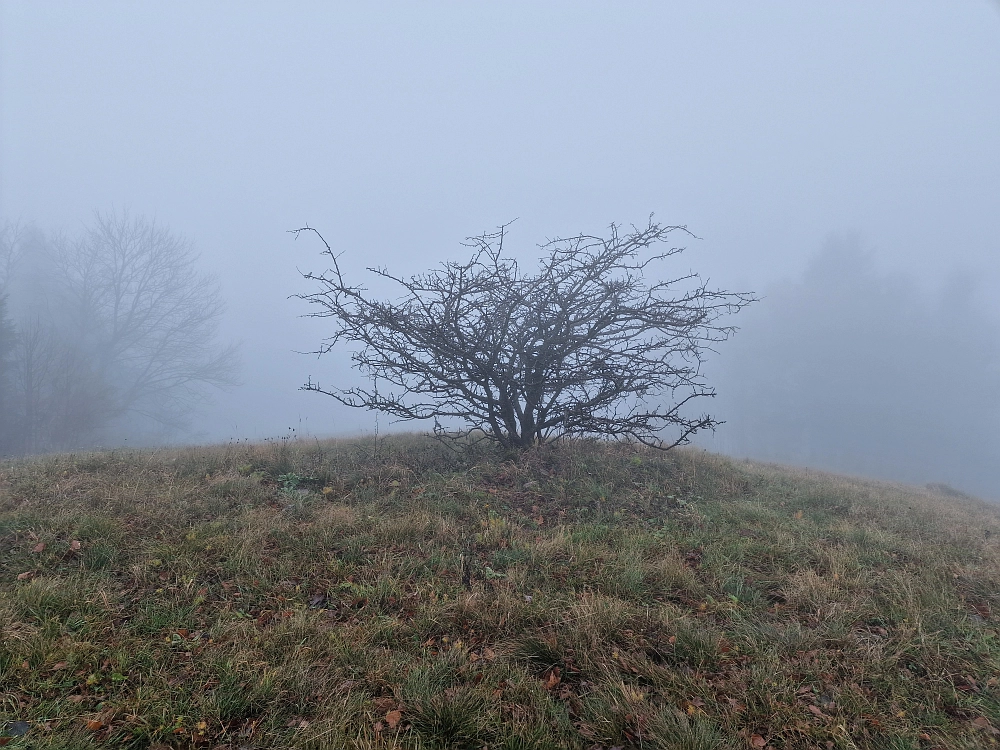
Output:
x,y
859,370
110,335
105,336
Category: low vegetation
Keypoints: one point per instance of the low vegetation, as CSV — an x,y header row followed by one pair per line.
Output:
x,y
342,594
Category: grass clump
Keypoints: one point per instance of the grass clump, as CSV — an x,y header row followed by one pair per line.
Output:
x,y
578,596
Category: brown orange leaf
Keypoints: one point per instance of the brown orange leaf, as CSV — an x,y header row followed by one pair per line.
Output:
x,y
983,723
553,679
40,547
816,711
74,545
393,718
94,724
59,665
25,576
757,741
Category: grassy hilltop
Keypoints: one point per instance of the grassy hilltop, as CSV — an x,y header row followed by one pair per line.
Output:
x,y
582,596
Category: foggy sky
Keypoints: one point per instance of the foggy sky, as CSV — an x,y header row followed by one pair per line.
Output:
x,y
399,129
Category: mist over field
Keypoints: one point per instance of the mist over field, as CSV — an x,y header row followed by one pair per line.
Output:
x,y
862,370
840,161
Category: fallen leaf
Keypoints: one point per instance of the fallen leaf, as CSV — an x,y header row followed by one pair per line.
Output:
x,y
816,711
25,576
40,547
74,545
59,665
983,723
798,514
393,718
94,724
553,679
757,741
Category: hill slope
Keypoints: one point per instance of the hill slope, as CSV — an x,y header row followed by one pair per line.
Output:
x,y
583,596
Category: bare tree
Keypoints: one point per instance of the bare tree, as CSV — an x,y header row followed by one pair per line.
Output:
x,y
7,345
112,324
149,319
582,347
10,251
34,366
11,235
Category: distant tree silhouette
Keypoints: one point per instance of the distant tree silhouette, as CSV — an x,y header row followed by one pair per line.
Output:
x,y
854,368
7,343
113,323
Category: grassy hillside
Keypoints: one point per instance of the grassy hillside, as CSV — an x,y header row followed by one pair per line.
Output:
x,y
584,596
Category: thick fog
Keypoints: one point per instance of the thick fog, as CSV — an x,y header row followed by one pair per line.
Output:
x,y
840,159
863,370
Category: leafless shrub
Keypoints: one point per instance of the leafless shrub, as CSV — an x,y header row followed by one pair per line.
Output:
x,y
585,346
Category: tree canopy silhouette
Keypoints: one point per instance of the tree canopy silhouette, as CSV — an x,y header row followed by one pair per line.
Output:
x,y
584,346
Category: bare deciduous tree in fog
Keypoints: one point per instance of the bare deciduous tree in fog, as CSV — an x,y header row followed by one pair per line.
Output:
x,y
114,323
583,347
7,343
145,313
9,238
